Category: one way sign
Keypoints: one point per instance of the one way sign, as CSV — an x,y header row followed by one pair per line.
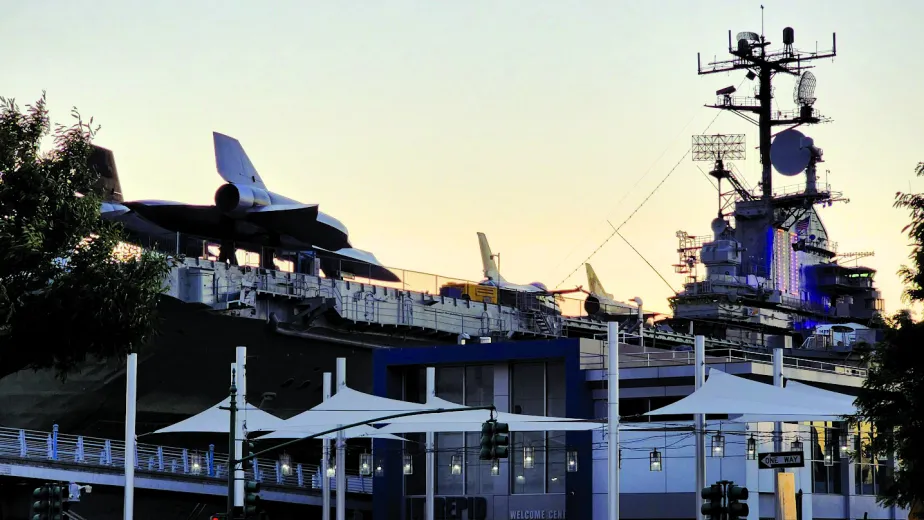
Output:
x,y
780,459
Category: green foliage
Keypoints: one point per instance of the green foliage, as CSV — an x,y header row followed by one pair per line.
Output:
x,y
64,296
892,397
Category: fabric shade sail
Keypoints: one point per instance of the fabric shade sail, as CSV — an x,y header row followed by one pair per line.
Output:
x,y
727,394
347,406
838,405
472,420
216,420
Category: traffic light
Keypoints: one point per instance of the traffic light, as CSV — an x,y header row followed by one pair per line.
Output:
x,y
57,495
495,443
487,440
501,441
251,499
737,509
713,508
41,504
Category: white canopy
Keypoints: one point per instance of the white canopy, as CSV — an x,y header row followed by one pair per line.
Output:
x,y
347,406
216,420
727,394
472,420
839,405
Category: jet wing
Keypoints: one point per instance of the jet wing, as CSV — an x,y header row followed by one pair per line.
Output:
x,y
356,262
295,220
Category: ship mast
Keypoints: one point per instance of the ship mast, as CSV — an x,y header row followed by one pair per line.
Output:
x,y
751,53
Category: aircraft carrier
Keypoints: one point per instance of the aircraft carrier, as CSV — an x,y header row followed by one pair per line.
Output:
x,y
768,276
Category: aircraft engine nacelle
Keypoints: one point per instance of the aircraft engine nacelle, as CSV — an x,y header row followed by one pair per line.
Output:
x,y
592,305
236,199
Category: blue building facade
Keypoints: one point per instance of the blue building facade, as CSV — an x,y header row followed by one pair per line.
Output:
x,y
529,377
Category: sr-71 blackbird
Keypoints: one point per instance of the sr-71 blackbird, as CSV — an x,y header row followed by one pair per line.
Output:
x,y
245,213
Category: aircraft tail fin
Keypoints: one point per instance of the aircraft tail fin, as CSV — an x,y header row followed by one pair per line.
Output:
x,y
487,260
593,283
232,162
103,161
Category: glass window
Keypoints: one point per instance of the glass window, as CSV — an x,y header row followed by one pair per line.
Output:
x,y
449,384
555,389
528,480
827,479
557,456
415,385
479,385
528,388
478,478
867,467
447,445
415,483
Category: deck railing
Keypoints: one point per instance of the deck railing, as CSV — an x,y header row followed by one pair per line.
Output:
x,y
94,453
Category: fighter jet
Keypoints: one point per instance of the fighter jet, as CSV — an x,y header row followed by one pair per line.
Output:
x,y
245,213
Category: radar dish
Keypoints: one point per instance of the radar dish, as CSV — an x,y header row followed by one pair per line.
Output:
x,y
787,153
804,95
747,35
718,227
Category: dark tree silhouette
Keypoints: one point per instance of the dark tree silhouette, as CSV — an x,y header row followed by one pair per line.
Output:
x,y
892,397
64,294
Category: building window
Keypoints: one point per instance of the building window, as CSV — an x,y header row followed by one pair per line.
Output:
x,y
826,479
469,386
867,467
538,389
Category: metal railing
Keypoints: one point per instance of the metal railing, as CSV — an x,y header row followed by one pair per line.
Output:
x,y
595,360
95,453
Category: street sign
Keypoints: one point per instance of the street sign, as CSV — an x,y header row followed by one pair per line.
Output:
x,y
780,459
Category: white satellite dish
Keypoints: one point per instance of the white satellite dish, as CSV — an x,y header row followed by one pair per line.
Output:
x,y
789,153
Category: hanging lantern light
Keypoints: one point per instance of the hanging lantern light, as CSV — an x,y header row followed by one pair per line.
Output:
x,y
195,463
332,467
572,458
654,460
408,465
718,445
379,469
797,444
843,443
455,465
752,448
285,464
829,456
495,468
365,464
528,460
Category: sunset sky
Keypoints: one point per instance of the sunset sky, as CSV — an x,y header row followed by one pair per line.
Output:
x,y
419,124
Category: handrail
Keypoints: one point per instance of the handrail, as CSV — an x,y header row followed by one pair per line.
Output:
x,y
92,452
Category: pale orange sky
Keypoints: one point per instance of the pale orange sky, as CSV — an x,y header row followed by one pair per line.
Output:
x,y
418,124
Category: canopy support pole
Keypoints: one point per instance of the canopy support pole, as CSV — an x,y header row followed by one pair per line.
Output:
x,y
325,461
241,362
778,432
341,448
431,455
131,396
612,441
699,368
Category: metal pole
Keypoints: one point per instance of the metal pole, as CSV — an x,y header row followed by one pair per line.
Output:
x,y
777,431
341,448
325,460
431,454
699,371
239,434
612,440
131,398
232,409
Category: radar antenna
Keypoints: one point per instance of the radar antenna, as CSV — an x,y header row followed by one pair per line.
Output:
x,y
719,148
754,56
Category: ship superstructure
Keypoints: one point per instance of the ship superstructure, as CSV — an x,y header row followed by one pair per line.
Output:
x,y
770,273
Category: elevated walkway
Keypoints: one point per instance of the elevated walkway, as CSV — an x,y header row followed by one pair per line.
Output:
x,y
51,456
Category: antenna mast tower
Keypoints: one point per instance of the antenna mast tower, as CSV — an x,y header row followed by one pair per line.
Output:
x,y
751,53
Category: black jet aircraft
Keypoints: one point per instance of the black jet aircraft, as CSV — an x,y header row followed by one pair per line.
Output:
x,y
245,213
